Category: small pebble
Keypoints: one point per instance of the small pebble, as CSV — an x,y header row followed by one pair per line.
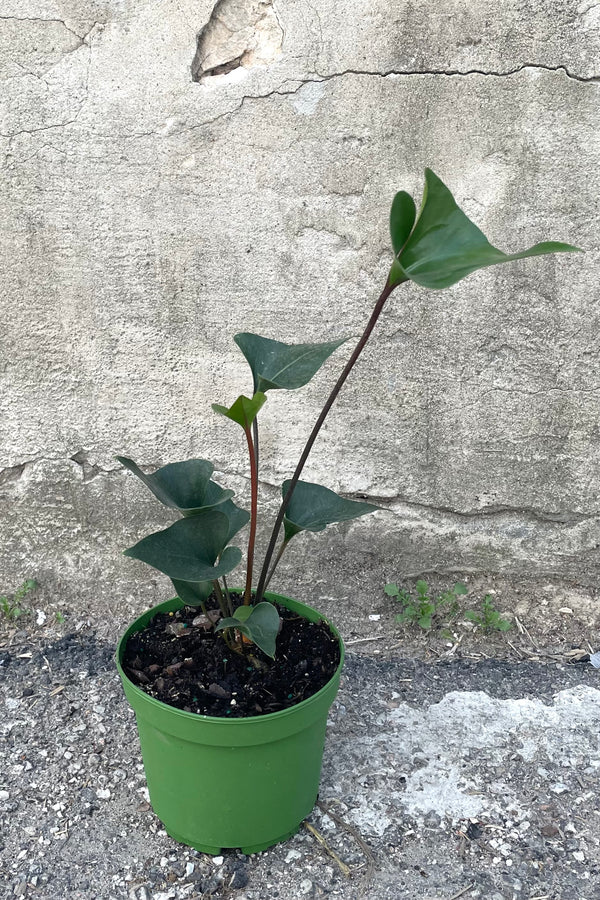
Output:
x,y
4,795
239,880
306,886
103,794
217,860
292,854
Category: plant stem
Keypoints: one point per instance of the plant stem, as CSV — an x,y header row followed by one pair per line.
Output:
x,y
317,427
220,598
227,596
253,515
284,544
255,436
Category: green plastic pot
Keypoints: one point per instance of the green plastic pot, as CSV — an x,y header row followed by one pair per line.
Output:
x,y
216,783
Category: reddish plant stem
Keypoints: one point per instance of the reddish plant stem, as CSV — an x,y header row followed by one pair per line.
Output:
x,y
313,435
255,436
253,515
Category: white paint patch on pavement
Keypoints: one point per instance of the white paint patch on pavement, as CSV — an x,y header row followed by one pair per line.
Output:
x,y
468,755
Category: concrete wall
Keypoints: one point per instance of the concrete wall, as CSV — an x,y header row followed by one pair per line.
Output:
x,y
152,208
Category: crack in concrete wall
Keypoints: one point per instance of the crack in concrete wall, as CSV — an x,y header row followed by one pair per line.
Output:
x,y
40,103
323,78
452,73
42,21
239,33
11,473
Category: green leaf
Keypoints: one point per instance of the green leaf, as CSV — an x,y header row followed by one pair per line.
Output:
x,y
392,590
244,410
402,219
460,588
185,486
472,616
276,365
397,274
313,507
242,613
193,593
187,550
261,625
236,516
445,246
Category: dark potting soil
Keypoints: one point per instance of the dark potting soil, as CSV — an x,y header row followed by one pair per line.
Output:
x,y
190,667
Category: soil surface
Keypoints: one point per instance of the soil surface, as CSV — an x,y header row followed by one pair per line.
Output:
x,y
178,659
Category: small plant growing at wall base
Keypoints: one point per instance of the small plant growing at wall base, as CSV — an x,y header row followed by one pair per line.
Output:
x,y
488,618
423,607
11,607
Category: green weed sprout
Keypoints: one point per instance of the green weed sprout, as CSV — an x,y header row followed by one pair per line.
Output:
x,y
488,618
11,607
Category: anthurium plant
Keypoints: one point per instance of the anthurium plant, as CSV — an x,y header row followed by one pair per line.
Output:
x,y
434,249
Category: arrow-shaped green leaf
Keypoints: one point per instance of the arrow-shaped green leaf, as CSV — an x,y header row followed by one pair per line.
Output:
x,y
185,486
444,245
244,410
313,507
188,549
276,365
259,623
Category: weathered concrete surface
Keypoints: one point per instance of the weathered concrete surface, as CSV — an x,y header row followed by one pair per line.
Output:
x,y
473,778
146,217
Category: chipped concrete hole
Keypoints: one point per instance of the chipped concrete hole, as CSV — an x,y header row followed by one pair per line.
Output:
x,y
239,34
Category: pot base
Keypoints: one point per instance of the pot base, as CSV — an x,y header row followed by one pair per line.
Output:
x,y
216,851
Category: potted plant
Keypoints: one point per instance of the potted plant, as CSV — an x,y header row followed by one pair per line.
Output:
x,y
231,688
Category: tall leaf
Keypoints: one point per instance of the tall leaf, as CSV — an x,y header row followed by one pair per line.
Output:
x,y
276,365
187,550
185,486
243,410
313,507
445,246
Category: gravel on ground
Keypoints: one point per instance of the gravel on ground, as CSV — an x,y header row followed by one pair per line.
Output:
x,y
473,778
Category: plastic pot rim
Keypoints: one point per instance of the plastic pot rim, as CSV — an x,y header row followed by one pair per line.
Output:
x,y
246,721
